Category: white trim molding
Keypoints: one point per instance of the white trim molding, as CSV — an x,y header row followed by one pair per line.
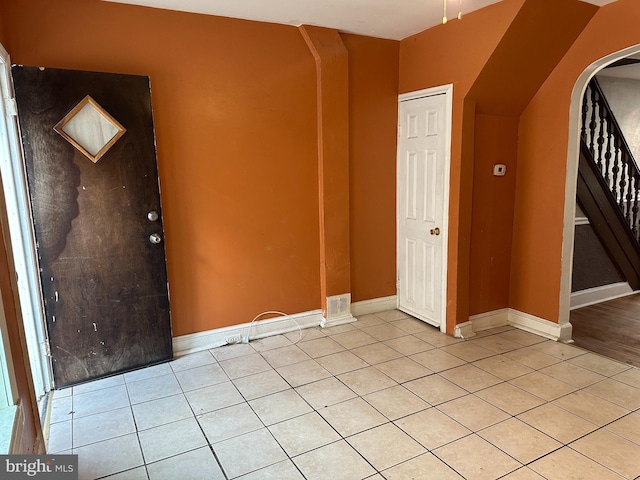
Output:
x,y
375,305
571,180
482,321
591,296
540,326
515,318
217,337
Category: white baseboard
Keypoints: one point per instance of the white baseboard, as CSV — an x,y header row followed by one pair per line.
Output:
x,y
375,305
540,326
196,342
217,337
336,320
516,318
591,296
464,330
482,321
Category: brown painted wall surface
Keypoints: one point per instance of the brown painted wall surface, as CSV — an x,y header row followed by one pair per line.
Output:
x,y
373,116
542,162
235,110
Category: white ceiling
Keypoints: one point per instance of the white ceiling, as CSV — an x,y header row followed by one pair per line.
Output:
x,y
393,19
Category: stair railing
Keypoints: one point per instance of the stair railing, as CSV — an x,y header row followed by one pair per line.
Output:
x,y
611,154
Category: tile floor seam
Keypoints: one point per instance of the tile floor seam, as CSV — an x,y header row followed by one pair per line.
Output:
x,y
195,416
467,436
331,443
403,384
604,427
522,464
452,467
526,464
594,460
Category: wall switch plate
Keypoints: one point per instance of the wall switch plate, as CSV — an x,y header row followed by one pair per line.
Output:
x,y
499,170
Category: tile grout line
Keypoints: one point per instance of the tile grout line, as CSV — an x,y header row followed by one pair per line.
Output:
x,y
402,384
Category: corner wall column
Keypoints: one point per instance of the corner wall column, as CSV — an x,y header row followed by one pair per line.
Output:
x,y
332,90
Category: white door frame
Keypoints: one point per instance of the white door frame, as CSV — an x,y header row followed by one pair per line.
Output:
x,y
21,233
573,150
447,90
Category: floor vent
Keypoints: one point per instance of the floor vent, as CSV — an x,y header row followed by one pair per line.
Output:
x,y
338,305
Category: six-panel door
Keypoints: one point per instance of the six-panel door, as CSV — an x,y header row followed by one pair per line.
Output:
x,y
421,207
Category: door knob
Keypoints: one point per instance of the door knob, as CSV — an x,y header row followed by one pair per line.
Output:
x,y
155,238
435,231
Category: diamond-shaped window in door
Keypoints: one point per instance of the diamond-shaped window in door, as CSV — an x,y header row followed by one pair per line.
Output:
x,y
90,129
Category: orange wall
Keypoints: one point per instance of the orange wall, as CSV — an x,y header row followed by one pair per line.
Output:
x,y
456,53
332,94
373,116
496,141
497,58
522,60
530,48
235,108
542,161
235,111
236,115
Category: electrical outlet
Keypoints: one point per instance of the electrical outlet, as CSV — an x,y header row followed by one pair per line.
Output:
x,y
231,339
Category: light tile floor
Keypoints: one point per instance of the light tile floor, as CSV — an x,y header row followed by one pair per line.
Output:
x,y
386,397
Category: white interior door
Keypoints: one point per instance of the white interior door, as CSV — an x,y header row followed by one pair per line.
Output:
x,y
423,184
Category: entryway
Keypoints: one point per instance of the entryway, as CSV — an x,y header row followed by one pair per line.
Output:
x,y
602,326
89,154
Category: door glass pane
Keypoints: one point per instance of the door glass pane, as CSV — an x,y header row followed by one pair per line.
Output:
x,y
90,129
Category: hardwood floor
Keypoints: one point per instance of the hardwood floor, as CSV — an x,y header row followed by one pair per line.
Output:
x,y
610,328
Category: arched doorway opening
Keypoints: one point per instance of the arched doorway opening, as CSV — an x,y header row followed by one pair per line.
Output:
x,y
572,173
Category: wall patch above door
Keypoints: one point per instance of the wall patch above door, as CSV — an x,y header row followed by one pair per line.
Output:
x,y
90,129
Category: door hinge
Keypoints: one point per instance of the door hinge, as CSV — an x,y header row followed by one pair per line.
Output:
x,y
399,131
11,106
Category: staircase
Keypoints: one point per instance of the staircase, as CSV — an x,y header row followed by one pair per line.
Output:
x,y
609,184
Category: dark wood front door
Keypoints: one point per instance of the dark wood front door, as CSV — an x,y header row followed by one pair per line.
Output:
x,y
93,196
